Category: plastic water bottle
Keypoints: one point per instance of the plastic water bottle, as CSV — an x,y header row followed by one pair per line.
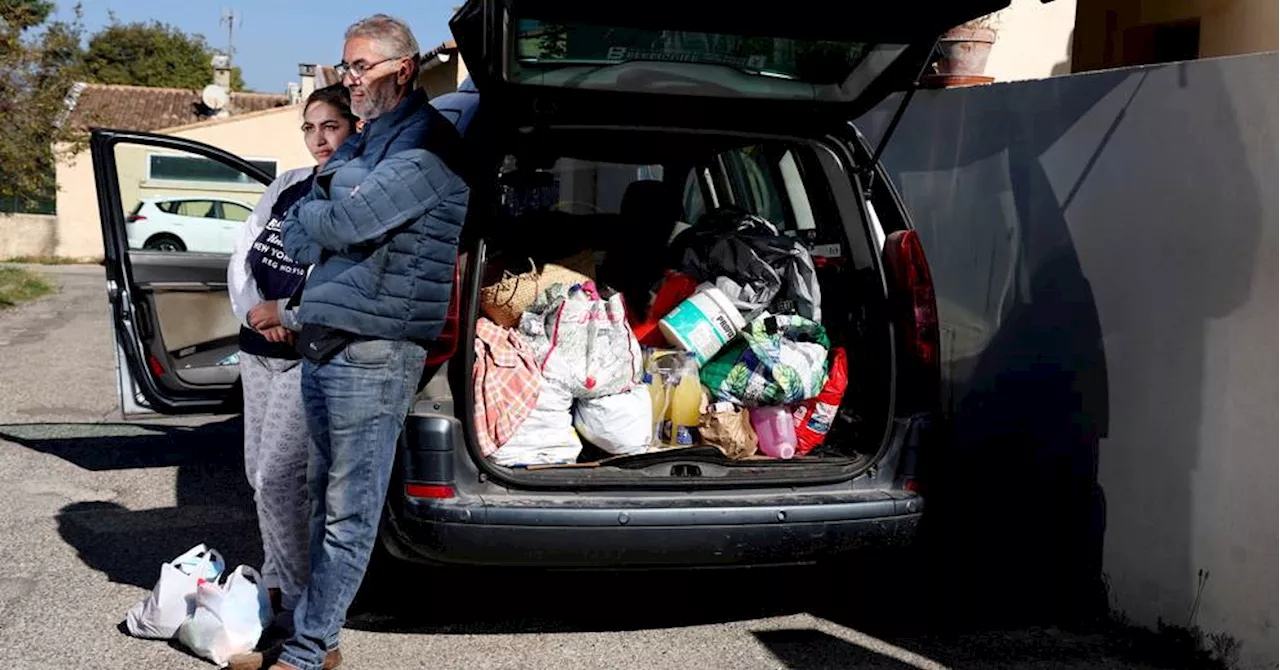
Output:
x,y
775,430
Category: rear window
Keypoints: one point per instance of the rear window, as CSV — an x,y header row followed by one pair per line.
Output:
x,y
234,212
572,186
694,63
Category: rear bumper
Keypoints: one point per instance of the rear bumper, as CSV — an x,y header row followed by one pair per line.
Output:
x,y
648,537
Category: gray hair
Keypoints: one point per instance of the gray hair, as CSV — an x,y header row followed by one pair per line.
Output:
x,y
392,35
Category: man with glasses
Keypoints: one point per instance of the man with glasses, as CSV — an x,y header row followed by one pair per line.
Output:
x,y
380,230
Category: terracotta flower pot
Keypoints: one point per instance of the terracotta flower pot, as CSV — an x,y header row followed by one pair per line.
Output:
x,y
964,57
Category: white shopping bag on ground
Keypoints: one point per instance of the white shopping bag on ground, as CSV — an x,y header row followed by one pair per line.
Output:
x,y
229,617
159,615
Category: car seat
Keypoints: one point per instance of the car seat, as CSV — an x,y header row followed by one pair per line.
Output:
x,y
636,249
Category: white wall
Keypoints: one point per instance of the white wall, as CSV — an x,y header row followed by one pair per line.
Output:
x,y
273,133
1034,40
1105,252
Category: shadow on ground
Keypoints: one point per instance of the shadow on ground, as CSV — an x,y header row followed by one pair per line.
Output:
x,y
810,649
876,623
212,502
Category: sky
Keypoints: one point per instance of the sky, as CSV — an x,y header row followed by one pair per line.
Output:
x,y
273,36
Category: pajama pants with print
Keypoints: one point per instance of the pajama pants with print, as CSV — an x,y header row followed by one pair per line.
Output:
x,y
276,447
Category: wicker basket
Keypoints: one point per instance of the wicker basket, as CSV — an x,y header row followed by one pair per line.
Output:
x,y
505,300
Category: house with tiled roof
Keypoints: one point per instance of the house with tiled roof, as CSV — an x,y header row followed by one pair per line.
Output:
x,y
150,108
441,70
260,127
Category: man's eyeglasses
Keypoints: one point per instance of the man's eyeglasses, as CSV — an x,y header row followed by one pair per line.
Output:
x,y
359,69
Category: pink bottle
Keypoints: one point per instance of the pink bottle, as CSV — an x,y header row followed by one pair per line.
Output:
x,y
774,428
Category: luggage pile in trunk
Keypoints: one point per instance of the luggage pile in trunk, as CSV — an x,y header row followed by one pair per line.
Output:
x,y
722,347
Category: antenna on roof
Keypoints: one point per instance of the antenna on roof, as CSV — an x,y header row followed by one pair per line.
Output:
x,y
229,17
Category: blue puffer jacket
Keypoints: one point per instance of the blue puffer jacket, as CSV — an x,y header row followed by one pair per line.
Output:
x,y
381,227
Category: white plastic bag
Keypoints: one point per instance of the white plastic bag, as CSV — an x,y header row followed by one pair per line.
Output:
x,y
621,424
229,617
547,436
159,615
583,342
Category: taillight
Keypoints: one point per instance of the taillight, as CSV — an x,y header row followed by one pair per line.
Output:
x,y
156,368
915,313
135,217
428,491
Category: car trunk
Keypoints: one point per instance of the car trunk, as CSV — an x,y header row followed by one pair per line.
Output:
x,y
622,193
585,103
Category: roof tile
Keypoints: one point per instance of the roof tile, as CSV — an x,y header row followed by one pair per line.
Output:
x,y
144,108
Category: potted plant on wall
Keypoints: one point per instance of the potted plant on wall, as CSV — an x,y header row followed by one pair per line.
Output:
x,y
963,53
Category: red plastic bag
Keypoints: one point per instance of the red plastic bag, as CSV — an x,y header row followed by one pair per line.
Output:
x,y
446,343
813,417
675,288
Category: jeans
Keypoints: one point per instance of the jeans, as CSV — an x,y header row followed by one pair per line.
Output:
x,y
356,406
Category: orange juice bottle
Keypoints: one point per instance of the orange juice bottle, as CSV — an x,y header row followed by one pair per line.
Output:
x,y
684,400
658,400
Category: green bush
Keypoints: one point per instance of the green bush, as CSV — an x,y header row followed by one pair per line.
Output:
x,y
20,285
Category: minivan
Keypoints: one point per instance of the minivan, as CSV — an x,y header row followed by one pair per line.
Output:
x,y
646,119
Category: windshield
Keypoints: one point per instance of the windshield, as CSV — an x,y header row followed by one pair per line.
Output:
x,y
692,63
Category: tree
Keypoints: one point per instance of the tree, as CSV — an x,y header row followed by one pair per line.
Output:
x,y
39,61
151,54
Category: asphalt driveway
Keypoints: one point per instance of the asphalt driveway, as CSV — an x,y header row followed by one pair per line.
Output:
x,y
90,505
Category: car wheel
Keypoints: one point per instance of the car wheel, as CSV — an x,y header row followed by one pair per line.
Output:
x,y
164,243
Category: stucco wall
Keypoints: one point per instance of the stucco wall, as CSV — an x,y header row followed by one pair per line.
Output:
x,y
27,235
462,72
443,76
1105,252
1034,40
1227,27
274,134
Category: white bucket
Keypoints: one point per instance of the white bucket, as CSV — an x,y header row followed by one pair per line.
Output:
x,y
702,324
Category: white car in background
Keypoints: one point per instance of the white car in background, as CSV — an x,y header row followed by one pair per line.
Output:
x,y
197,224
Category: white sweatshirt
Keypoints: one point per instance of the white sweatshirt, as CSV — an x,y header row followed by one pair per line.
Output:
x,y
241,287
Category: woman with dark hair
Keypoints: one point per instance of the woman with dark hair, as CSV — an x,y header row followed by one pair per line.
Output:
x,y
261,279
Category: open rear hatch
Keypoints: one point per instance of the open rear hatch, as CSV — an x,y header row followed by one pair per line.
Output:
x,y
803,67
548,69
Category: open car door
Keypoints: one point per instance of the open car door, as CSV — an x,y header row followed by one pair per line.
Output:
x,y
166,246
804,68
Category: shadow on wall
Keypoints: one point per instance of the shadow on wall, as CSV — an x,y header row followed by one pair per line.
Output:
x,y
214,503
1006,184
1064,67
